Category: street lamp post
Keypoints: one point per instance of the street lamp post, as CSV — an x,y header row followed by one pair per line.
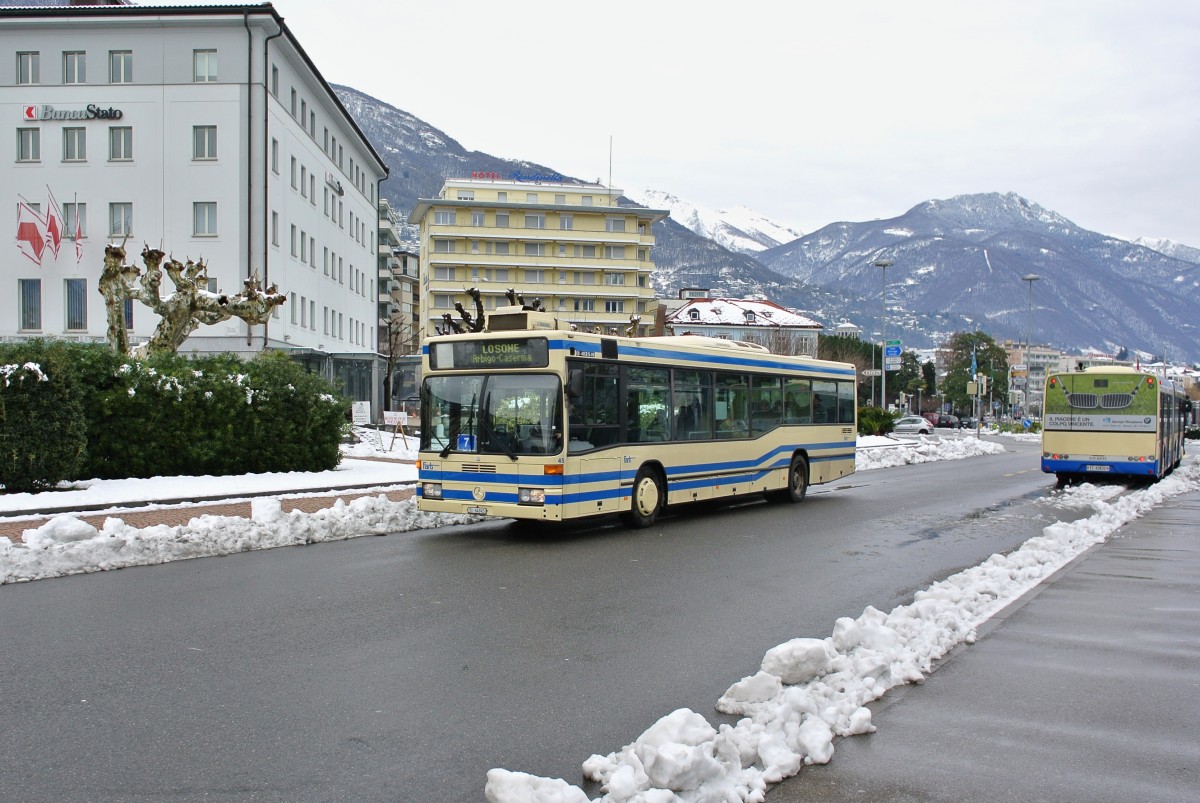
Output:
x,y
1029,278
883,264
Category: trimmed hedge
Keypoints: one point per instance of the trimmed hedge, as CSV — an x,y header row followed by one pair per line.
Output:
x,y
42,430
186,415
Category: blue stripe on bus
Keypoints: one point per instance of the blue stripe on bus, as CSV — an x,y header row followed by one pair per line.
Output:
x,y
677,477
585,348
716,359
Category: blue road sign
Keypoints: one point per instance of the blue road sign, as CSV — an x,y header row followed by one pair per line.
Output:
x,y
891,351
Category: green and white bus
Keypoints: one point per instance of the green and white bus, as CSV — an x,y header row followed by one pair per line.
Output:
x,y
548,424
1112,421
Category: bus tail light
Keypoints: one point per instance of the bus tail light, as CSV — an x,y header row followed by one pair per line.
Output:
x,y
553,469
431,490
531,496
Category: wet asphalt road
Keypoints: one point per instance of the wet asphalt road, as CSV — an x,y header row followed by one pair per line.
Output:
x,y
402,668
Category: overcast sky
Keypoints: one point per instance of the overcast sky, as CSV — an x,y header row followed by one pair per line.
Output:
x,y
809,112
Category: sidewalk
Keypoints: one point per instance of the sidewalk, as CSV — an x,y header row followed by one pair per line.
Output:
x,y
1082,690
176,511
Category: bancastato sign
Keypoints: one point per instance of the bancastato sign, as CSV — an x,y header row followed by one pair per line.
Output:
x,y
36,113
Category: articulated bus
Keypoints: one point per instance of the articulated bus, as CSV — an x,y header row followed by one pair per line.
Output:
x,y
1112,421
552,425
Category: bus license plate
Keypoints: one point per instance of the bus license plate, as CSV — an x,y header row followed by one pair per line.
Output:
x,y
478,511
1097,468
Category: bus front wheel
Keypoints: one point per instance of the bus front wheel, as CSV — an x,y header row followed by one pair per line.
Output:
x,y
647,499
797,482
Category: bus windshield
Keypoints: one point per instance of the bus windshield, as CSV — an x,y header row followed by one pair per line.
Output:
x,y
503,414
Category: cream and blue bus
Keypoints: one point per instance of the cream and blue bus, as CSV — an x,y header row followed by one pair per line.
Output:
x,y
530,421
1112,422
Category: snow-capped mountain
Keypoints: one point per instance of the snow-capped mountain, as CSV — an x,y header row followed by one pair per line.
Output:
x,y
740,229
1170,248
969,254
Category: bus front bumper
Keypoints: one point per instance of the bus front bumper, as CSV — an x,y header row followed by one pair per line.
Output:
x,y
1099,466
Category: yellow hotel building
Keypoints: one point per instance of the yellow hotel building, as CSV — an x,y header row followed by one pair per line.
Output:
x,y
568,244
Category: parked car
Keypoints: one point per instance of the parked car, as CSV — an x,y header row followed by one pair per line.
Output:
x,y
969,422
912,425
950,421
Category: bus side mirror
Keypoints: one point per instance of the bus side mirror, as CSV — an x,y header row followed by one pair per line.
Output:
x,y
575,383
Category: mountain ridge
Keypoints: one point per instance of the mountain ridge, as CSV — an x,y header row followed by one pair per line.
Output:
x,y
957,266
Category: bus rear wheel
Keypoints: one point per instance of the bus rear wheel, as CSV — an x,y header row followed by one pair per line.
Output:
x,y
797,482
647,499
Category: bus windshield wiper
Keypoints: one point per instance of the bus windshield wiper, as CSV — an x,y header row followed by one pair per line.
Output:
x,y
486,426
470,429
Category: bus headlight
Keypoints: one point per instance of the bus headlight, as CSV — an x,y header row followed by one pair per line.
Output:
x,y
431,490
531,496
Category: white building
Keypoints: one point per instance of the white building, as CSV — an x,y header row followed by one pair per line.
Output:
x,y
760,321
206,132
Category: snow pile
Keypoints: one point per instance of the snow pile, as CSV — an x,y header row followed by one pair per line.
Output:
x,y
66,545
925,450
809,691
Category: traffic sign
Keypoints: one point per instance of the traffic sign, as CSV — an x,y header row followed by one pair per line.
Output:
x,y
891,342
871,372
892,351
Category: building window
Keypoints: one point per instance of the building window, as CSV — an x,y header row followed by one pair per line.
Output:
x,y
566,222
312,315
292,306
29,145
501,249
443,217
274,228
129,314
477,219
502,197
275,156
295,251
76,296
560,199
585,305
615,278
535,249
120,219
303,181
585,200
204,66
29,69
502,220
294,172
274,80
588,251
74,220
531,197
120,143
614,252
293,109
614,306
535,221
204,219
535,277
74,67
466,195
120,66
30,292
204,142
443,246
614,224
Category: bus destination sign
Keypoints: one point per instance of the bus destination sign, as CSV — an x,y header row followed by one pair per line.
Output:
x,y
531,352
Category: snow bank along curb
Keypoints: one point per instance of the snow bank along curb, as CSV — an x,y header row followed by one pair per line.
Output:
x,y
65,545
810,690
